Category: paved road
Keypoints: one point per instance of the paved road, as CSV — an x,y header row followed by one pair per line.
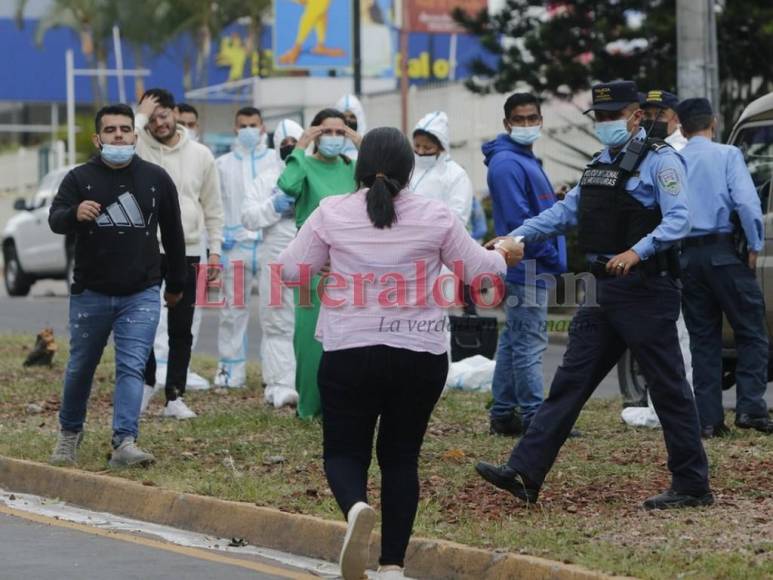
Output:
x,y
42,548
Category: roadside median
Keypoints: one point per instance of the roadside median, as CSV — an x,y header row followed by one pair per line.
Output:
x,y
266,527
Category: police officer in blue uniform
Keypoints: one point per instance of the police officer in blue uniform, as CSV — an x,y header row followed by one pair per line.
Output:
x,y
716,280
630,207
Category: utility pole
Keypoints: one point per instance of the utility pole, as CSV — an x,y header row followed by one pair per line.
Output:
x,y
357,56
696,49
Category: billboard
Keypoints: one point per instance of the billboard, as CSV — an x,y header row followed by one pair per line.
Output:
x,y
436,15
312,34
36,73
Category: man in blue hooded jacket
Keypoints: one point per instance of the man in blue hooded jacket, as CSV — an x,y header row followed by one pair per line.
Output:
x,y
520,190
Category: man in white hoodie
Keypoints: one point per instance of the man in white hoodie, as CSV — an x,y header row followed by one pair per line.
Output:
x,y
269,209
238,169
192,169
352,109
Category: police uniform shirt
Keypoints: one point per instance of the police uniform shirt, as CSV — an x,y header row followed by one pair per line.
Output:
x,y
660,179
718,184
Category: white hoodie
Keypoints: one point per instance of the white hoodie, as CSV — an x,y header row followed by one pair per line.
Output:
x,y
192,169
353,104
443,179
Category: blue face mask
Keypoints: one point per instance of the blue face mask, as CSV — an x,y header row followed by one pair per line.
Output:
x,y
117,154
331,145
613,133
525,135
249,137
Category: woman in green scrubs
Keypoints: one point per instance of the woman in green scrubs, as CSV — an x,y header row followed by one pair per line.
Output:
x,y
308,179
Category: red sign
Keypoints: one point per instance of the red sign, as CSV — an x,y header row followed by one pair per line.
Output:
x,y
437,15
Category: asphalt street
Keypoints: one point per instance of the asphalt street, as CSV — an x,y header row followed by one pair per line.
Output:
x,y
35,547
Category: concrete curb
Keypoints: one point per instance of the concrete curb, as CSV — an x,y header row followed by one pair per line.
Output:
x,y
267,527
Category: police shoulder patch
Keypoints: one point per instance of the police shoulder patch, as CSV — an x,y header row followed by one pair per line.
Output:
x,y
668,179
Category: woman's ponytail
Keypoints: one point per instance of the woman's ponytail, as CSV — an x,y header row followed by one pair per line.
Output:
x,y
384,166
381,202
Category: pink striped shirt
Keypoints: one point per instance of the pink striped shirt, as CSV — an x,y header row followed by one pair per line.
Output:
x,y
380,289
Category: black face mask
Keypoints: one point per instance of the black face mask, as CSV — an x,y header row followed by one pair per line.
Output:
x,y
284,151
352,124
655,129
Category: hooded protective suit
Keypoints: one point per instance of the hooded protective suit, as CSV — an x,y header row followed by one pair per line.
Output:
x,y
442,178
238,171
277,322
352,103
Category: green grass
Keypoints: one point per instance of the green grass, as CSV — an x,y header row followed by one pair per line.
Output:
x,y
589,511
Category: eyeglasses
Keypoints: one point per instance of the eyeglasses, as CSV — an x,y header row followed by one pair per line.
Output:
x,y
524,120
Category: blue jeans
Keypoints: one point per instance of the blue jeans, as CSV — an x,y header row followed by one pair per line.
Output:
x,y
518,380
133,320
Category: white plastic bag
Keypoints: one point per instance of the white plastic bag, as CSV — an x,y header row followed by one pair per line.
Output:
x,y
475,373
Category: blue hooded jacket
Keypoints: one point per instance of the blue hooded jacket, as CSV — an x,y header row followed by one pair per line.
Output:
x,y
520,190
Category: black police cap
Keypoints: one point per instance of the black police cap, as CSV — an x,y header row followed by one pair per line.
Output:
x,y
662,99
694,108
613,96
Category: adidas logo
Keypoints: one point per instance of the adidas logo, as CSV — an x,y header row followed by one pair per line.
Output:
x,y
124,213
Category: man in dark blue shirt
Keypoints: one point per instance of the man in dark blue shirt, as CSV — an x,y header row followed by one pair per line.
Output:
x,y
520,190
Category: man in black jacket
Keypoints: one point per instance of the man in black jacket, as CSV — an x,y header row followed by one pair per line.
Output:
x,y
114,205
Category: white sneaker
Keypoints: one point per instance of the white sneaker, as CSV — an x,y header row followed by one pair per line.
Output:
x,y
178,409
391,573
195,382
147,395
356,549
284,397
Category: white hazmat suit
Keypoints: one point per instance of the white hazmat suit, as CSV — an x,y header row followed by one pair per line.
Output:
x,y
441,177
277,322
353,104
238,171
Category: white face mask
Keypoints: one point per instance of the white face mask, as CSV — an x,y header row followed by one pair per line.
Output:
x,y
424,162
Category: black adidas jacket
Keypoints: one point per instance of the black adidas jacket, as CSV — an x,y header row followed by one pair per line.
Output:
x,y
118,254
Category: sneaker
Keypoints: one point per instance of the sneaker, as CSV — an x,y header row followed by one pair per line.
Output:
x,y
268,395
66,450
195,382
391,573
178,409
127,454
147,395
285,397
671,499
356,549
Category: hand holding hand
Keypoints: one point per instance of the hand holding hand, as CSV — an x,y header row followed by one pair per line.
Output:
x,y
512,250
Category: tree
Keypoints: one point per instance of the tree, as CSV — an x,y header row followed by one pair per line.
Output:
x,y
561,48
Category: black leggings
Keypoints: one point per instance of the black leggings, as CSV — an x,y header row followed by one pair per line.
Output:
x,y
179,323
357,387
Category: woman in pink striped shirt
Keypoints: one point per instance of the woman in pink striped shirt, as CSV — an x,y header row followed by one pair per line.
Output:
x,y
383,331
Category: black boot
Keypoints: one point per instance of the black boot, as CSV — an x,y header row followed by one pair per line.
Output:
x,y
762,424
505,477
671,499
